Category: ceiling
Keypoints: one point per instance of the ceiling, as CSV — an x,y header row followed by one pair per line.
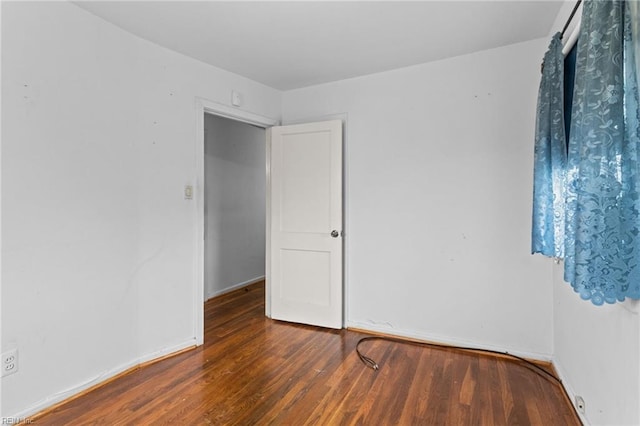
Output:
x,y
287,45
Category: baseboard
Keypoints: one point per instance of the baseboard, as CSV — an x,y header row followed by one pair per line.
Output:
x,y
432,338
49,404
235,287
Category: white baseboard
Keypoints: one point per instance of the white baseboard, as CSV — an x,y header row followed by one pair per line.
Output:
x,y
377,328
235,287
100,378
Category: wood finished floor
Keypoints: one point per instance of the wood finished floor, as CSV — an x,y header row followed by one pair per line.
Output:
x,y
254,371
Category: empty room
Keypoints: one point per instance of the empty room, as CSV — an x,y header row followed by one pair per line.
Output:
x,y
409,213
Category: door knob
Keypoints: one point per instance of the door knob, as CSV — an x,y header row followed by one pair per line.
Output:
x,y
335,233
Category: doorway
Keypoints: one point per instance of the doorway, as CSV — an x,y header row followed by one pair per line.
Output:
x,y
203,109
309,153
234,205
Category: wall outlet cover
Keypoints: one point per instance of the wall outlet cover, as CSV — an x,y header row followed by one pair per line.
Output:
x,y
580,404
9,362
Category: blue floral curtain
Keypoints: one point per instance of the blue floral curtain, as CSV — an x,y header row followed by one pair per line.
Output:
x,y
602,177
602,244
550,157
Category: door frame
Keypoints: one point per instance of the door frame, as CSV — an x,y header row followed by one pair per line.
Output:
x,y
205,106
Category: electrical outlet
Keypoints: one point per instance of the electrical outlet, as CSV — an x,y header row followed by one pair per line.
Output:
x,y
580,404
9,362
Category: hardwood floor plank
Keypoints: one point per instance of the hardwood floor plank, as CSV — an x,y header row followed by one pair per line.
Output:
x,y
256,371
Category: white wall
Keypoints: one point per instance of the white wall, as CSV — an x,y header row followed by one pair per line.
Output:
x,y
439,182
98,245
235,204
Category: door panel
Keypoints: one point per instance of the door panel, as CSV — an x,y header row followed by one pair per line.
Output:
x,y
306,185
306,206
304,274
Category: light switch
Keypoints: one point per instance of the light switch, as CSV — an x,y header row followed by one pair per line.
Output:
x,y
236,98
188,192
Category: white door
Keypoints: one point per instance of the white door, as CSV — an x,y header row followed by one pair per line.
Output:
x,y
305,261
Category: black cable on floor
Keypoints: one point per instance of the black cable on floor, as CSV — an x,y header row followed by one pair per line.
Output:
x,y
374,365
532,366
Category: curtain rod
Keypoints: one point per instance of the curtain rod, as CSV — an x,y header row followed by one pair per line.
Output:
x,y
573,12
